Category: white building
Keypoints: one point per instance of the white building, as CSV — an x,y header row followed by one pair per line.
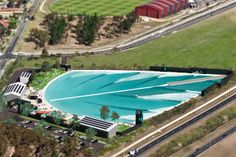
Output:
x,y
192,4
25,77
103,128
14,91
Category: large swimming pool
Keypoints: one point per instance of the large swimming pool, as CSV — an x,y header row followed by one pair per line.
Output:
x,y
84,92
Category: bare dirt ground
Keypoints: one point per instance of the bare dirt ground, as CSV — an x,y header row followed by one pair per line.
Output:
x,y
225,148
70,41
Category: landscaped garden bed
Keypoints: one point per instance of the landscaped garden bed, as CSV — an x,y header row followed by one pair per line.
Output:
x,y
41,79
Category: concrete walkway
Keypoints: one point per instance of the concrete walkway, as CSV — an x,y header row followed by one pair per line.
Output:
x,y
195,80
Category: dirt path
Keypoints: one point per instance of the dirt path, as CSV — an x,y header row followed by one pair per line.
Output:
x,y
42,6
9,152
225,148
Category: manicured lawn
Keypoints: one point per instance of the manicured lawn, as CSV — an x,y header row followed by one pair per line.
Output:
x,y
211,43
41,79
122,127
100,7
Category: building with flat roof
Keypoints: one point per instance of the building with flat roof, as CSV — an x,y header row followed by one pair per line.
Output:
x,y
14,91
103,128
25,77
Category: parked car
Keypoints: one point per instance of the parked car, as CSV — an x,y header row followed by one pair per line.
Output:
x,y
48,127
26,122
82,137
60,131
133,152
33,97
65,132
71,133
94,141
81,144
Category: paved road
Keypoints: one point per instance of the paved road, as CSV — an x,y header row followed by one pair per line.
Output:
x,y
152,34
185,125
172,123
203,148
9,50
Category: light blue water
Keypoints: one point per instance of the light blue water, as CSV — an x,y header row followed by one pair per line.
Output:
x,y
84,92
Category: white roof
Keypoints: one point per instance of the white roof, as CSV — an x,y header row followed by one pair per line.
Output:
x,y
191,1
15,89
25,74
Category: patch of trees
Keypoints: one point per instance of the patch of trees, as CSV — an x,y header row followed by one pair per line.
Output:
x,y
86,29
39,37
127,22
105,114
27,142
57,29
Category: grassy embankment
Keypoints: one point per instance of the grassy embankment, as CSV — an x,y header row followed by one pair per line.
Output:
x,y
208,44
197,133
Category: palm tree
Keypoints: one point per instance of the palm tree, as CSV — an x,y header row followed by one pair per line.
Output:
x,y
104,112
26,109
90,133
43,123
115,116
57,117
75,124
2,104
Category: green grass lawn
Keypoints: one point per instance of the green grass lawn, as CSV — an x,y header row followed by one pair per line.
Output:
x,y
122,127
41,79
101,7
211,44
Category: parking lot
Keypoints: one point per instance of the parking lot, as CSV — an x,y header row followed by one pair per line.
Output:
x,y
60,134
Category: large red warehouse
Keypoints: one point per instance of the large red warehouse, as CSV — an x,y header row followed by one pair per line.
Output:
x,y
160,8
171,5
150,10
166,8
177,4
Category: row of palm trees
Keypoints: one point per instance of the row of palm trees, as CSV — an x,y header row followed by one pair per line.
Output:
x,y
104,114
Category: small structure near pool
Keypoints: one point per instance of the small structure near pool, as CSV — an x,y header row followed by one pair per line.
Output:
x,y
25,77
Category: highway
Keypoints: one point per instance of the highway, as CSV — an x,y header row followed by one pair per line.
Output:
x,y
185,125
203,148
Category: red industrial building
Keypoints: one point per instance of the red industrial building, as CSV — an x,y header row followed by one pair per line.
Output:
x,y
164,6
150,10
161,8
171,5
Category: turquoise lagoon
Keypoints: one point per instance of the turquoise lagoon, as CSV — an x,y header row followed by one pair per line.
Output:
x,y
83,92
